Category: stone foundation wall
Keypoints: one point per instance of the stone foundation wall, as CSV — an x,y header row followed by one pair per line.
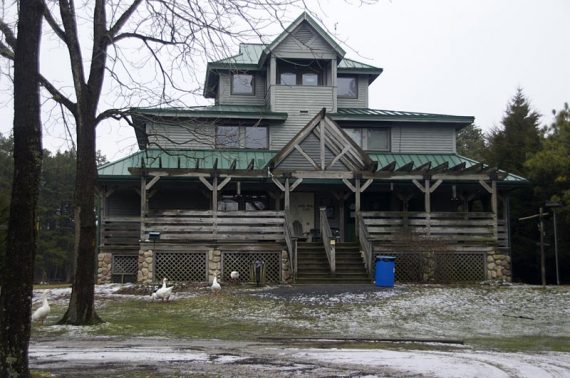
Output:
x,y
145,273
286,268
104,268
499,266
214,264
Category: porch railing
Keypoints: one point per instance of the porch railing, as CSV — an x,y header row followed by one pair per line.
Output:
x,y
120,232
460,228
237,226
291,243
328,239
365,243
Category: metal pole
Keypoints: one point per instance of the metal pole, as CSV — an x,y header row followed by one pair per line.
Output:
x,y
542,269
555,247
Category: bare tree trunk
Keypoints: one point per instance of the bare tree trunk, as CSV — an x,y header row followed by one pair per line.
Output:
x,y
17,278
81,310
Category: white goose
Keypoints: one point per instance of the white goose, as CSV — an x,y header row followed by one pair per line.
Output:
x,y
41,313
216,287
164,292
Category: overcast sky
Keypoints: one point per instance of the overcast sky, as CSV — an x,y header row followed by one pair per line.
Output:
x,y
442,56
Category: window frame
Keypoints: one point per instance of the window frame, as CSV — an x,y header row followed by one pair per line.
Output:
x,y
232,86
365,136
241,138
355,78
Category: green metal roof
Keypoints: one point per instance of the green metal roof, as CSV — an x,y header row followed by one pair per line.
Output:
x,y
401,159
157,158
168,159
252,56
365,114
219,111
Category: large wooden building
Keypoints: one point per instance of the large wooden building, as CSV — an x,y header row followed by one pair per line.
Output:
x,y
290,167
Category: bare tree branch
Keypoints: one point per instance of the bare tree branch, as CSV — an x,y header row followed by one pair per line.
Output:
x,y
53,23
113,30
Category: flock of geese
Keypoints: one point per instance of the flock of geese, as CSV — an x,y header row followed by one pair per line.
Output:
x,y
163,293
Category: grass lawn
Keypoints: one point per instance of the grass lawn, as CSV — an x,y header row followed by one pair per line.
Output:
x,y
482,316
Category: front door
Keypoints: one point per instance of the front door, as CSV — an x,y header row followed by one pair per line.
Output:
x,y
302,210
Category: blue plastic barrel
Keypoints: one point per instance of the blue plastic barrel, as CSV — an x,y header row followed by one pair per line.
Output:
x,y
385,271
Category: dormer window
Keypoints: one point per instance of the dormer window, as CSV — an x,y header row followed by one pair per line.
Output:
x,y
347,86
243,84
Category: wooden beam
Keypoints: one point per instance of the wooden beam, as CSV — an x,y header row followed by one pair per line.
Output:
x,y
419,186
233,165
279,185
337,157
296,184
143,207
366,185
251,164
306,156
215,165
435,185
440,168
152,182
423,167
206,183
406,167
349,184
486,186
427,200
388,167
224,183
458,168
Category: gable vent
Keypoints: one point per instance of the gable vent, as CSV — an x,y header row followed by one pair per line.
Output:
x,y
304,34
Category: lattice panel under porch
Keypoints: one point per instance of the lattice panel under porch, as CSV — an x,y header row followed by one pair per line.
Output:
x,y
459,267
181,266
124,268
440,267
242,261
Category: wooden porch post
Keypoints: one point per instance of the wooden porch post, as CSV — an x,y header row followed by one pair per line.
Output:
x,y
287,197
215,194
356,205
144,206
494,207
427,201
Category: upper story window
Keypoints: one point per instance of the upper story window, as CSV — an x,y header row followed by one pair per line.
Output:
x,y
243,84
310,78
300,72
377,139
347,86
242,137
227,137
288,78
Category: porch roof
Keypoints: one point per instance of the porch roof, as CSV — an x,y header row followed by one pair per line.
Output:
x,y
249,160
188,159
384,159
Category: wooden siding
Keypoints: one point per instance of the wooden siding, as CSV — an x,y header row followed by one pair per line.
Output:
x,y
422,139
311,146
299,45
293,100
120,233
180,226
226,98
454,230
362,100
181,135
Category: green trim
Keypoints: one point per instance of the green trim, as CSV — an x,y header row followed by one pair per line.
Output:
x,y
365,114
218,111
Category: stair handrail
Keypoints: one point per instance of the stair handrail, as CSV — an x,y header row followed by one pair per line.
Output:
x,y
327,238
291,243
365,243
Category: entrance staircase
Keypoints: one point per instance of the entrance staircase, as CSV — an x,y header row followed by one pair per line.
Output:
x,y
313,266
